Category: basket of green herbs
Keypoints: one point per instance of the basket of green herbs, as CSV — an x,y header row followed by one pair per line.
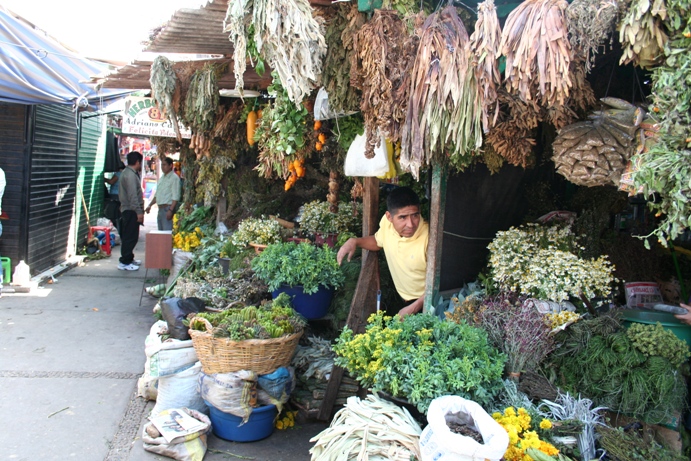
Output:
x,y
259,339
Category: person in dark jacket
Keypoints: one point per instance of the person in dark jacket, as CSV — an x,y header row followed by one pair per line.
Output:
x,y
132,209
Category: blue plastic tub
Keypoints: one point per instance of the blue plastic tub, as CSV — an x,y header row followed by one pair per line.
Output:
x,y
259,426
312,307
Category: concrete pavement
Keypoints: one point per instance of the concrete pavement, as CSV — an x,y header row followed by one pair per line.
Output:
x,y
70,356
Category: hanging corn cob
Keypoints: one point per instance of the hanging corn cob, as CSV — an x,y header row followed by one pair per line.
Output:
x,y
484,45
165,90
385,54
442,114
642,34
292,41
537,50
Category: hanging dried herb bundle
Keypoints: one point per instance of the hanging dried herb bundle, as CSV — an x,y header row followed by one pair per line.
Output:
x,y
292,41
484,44
511,138
642,33
589,23
442,114
385,55
537,50
234,24
165,90
339,41
202,99
582,97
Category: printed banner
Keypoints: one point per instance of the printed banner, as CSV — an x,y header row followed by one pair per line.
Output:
x,y
143,117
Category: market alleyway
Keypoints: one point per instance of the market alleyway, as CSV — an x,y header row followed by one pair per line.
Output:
x,y
70,356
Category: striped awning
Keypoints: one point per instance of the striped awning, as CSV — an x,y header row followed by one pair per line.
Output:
x,y
35,69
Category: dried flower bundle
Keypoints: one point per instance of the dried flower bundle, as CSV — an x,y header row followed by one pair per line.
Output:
x,y
484,45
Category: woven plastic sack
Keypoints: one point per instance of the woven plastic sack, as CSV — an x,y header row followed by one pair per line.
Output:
x,y
191,447
234,393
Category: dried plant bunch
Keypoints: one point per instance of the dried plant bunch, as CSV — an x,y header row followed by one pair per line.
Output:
x,y
484,45
235,22
385,54
442,118
165,90
642,33
292,40
590,23
535,43
511,137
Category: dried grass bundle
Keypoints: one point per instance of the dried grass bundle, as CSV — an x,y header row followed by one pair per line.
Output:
x,y
590,23
237,16
165,90
537,50
512,143
642,33
442,116
292,40
484,45
385,55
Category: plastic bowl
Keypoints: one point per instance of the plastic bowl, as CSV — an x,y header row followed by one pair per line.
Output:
x,y
667,320
259,426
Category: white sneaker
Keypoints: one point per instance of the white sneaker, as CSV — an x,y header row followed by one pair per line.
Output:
x,y
136,262
128,267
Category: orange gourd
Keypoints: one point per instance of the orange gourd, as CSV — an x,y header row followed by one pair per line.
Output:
x,y
317,124
251,126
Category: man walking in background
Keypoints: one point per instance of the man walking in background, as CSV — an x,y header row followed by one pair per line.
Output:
x,y
132,207
167,195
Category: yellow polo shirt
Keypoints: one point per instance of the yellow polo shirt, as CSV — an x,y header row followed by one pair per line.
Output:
x,y
406,257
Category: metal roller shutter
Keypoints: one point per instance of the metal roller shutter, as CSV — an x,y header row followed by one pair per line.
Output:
x,y
91,159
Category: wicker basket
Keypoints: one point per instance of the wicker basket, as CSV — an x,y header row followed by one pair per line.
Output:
x,y
223,355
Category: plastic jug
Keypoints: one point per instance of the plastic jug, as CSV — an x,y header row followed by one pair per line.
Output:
x,y
22,274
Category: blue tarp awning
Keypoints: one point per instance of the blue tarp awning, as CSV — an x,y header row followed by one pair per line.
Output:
x,y
35,69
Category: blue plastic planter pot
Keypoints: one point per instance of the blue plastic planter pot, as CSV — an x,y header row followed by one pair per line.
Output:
x,y
312,307
259,426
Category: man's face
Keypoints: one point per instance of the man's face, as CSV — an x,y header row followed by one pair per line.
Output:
x,y
406,220
165,167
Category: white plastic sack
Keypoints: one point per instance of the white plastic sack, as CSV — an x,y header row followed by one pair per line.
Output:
x,y
170,356
147,385
179,259
180,390
191,447
356,164
234,393
438,443
322,109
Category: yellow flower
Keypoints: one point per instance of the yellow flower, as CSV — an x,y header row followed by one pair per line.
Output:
x,y
545,424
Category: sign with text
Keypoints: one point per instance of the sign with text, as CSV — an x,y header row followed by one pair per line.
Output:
x,y
143,117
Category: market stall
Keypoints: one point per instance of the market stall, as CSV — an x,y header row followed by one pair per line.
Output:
x,y
552,201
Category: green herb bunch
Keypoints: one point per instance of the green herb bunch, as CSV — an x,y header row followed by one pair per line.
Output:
x,y
201,216
256,230
271,321
421,357
317,217
302,264
656,340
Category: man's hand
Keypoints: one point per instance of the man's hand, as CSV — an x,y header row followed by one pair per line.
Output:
x,y
412,308
348,248
148,209
686,318
140,218
169,213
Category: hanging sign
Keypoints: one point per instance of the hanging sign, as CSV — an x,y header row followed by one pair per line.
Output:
x,y
143,117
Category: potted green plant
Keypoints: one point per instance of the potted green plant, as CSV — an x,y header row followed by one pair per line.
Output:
x,y
308,273
318,220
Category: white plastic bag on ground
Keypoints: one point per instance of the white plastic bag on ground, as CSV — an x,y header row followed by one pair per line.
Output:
x,y
179,259
170,356
438,443
234,393
192,447
180,390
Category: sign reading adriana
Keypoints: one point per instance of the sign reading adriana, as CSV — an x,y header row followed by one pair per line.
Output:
x,y
143,117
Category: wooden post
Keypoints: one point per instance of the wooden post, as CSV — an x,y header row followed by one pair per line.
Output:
x,y
365,298
436,234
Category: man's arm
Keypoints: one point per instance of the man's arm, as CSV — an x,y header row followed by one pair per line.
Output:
x,y
366,243
686,318
148,208
413,308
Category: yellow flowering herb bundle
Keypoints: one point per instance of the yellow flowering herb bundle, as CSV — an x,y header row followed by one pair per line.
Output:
x,y
524,434
263,231
187,241
421,357
543,262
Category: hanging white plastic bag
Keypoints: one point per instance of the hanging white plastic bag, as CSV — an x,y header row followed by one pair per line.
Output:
x,y
356,164
438,443
322,109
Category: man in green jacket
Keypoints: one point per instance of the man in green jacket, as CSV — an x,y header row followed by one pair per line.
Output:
x,y
132,207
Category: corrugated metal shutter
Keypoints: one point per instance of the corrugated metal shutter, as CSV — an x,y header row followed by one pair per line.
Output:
x,y
91,159
52,190
14,156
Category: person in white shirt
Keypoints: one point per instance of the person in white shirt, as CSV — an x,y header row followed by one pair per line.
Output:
x,y
167,195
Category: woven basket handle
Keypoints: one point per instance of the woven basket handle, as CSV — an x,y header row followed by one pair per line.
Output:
x,y
206,323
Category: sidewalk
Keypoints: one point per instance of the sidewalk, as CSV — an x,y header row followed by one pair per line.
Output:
x,y
70,356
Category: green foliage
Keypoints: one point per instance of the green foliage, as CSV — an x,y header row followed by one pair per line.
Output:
x,y
201,216
347,128
421,357
304,264
256,230
202,99
272,320
656,340
317,217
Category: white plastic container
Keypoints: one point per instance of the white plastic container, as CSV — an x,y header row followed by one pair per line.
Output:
x,y
22,274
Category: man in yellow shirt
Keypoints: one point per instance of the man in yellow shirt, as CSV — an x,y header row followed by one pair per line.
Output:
x,y
403,235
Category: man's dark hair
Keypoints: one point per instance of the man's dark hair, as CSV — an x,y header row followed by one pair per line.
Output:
x,y
134,157
168,160
401,197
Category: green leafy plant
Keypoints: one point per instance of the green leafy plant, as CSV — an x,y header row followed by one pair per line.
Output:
x,y
298,264
256,230
317,217
421,357
656,340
